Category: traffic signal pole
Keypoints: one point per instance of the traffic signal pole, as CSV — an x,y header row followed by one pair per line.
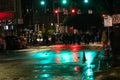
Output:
x,y
58,19
43,3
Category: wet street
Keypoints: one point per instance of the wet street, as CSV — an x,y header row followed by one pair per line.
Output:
x,y
55,62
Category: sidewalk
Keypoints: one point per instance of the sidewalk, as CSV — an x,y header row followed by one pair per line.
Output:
x,y
111,74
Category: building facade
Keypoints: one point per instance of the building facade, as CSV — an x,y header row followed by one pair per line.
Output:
x,y
10,16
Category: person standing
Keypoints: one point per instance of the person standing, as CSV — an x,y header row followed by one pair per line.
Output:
x,y
104,38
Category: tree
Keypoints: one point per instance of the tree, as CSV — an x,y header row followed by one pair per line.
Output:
x,y
83,21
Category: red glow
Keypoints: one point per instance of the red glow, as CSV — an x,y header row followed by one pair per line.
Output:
x,y
5,15
56,11
103,15
57,48
75,47
75,56
73,11
57,60
76,68
71,28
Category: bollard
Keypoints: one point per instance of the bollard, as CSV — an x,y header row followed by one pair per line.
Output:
x,y
84,57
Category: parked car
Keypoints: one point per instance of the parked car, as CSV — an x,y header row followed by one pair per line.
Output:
x,y
12,42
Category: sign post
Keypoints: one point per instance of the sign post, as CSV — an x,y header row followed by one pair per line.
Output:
x,y
108,23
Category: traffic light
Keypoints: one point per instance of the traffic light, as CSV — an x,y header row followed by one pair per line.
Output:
x,y
73,11
56,11
85,1
103,15
42,2
64,1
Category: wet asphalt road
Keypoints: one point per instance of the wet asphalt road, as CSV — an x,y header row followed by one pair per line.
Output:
x,y
57,62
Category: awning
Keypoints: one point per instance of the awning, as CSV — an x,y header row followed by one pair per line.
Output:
x,y
5,15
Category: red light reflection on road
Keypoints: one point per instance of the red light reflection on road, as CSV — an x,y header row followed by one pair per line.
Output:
x,y
76,69
75,56
58,47
75,47
57,60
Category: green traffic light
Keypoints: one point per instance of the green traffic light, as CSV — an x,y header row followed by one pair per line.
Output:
x,y
42,2
85,1
64,2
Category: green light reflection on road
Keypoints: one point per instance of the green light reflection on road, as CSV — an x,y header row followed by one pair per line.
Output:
x,y
89,55
46,56
65,56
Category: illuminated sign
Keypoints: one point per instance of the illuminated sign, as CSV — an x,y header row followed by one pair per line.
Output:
x,y
116,18
5,15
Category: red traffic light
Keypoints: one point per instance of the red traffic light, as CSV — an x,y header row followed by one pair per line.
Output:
x,y
56,11
73,11
103,15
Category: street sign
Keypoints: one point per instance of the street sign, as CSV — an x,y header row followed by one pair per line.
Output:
x,y
116,18
20,21
107,21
